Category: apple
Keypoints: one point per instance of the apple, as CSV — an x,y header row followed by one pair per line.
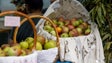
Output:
x,y
59,30
61,19
29,40
2,53
85,24
79,30
60,23
41,39
31,45
71,27
53,33
55,21
48,28
27,51
24,45
75,23
50,44
5,45
6,49
67,22
65,29
47,23
13,51
38,46
73,19
80,21
75,32
81,26
71,34
23,53
64,35
87,31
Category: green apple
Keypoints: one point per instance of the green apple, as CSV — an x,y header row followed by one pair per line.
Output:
x,y
24,45
2,53
14,51
29,40
80,21
38,46
64,35
53,33
76,23
50,44
48,28
80,31
54,21
87,31
60,23
6,49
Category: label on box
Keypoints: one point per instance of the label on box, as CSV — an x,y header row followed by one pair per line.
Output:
x,y
12,21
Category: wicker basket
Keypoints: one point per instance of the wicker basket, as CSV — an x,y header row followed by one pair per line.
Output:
x,y
50,55
81,49
31,58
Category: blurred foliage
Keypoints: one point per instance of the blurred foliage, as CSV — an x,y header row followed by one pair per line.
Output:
x,y
101,14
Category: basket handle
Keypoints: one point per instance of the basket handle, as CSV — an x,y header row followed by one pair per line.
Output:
x,y
26,16
47,19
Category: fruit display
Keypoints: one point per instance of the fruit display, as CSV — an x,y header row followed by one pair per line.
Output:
x,y
25,47
68,27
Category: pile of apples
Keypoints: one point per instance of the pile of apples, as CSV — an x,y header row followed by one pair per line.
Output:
x,y
68,27
25,47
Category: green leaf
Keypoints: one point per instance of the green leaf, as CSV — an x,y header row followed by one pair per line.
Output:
x,y
106,36
103,9
107,46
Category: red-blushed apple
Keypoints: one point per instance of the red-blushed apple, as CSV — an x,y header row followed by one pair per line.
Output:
x,y
60,18
67,22
80,31
81,26
73,19
71,27
23,53
85,24
28,51
75,32
65,29
71,33
5,45
24,45
64,35
41,39
87,31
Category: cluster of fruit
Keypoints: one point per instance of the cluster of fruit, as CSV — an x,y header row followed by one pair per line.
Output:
x,y
68,28
25,47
